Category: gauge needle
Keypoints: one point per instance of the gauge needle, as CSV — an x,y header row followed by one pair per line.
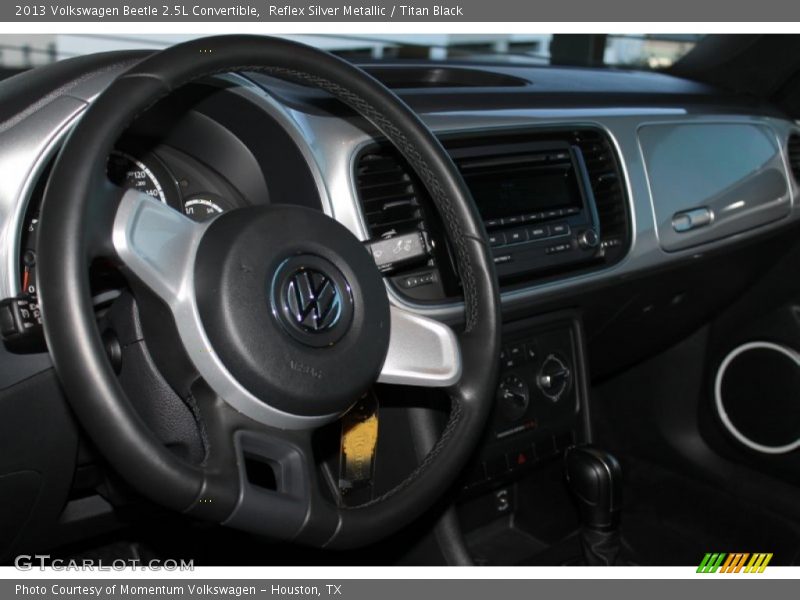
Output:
x,y
25,280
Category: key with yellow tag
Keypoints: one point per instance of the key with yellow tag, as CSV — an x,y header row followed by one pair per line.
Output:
x,y
359,443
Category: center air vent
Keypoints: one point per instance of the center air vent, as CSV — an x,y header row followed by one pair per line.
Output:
x,y
794,156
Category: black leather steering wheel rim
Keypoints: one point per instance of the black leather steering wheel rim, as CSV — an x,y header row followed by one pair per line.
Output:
x,y
75,223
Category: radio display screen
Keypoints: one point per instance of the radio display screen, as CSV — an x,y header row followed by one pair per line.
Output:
x,y
521,189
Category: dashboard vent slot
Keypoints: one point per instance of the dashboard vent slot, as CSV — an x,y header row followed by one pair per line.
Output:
x,y
389,195
607,183
793,152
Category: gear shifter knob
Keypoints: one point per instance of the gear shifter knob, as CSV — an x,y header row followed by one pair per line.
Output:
x,y
595,479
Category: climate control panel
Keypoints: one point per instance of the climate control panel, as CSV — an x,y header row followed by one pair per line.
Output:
x,y
539,400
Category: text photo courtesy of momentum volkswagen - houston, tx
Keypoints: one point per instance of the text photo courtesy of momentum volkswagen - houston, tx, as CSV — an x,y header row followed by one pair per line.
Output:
x,y
349,300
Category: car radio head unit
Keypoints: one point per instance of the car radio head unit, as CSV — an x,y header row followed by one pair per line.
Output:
x,y
511,186
536,203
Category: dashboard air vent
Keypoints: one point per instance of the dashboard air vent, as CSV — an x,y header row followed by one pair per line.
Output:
x,y
794,156
607,184
389,195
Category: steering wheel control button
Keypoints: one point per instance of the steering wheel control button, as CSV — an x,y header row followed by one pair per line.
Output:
x,y
312,300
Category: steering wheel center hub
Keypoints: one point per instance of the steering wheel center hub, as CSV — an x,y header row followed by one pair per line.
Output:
x,y
312,299
286,313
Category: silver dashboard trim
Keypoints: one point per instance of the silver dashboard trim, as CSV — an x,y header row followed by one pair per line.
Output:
x,y
25,151
645,251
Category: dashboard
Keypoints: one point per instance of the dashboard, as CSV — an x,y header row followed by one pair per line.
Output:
x,y
624,212
577,195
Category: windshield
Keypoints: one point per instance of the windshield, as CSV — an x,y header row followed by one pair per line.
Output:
x,y
655,51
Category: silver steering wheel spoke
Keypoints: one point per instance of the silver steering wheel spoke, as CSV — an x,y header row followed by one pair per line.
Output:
x,y
422,352
157,244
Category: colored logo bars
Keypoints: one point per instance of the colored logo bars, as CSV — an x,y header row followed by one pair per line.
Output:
x,y
737,562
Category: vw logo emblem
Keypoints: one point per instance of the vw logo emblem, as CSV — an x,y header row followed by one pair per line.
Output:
x,y
312,300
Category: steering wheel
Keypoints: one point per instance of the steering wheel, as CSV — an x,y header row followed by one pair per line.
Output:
x,y
280,311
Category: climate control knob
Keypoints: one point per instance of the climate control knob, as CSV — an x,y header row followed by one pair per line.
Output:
x,y
513,397
554,377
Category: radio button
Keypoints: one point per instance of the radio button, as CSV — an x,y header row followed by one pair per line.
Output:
x,y
497,239
504,258
516,236
512,220
492,223
559,229
538,233
558,248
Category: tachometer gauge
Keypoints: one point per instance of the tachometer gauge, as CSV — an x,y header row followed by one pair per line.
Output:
x,y
203,206
130,173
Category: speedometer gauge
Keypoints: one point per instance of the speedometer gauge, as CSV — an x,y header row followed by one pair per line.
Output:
x,y
130,173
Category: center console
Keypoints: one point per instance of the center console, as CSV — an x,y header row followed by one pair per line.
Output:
x,y
517,474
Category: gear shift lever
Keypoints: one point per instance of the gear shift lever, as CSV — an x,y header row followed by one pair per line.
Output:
x,y
595,479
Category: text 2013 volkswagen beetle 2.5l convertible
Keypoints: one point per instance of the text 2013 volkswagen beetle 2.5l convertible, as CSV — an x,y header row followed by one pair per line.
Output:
x,y
265,305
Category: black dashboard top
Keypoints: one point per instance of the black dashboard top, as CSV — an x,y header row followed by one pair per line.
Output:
x,y
453,86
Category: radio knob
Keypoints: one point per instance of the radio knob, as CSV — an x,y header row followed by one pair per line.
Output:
x,y
588,239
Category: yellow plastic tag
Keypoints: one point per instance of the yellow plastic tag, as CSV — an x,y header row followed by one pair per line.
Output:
x,y
359,442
